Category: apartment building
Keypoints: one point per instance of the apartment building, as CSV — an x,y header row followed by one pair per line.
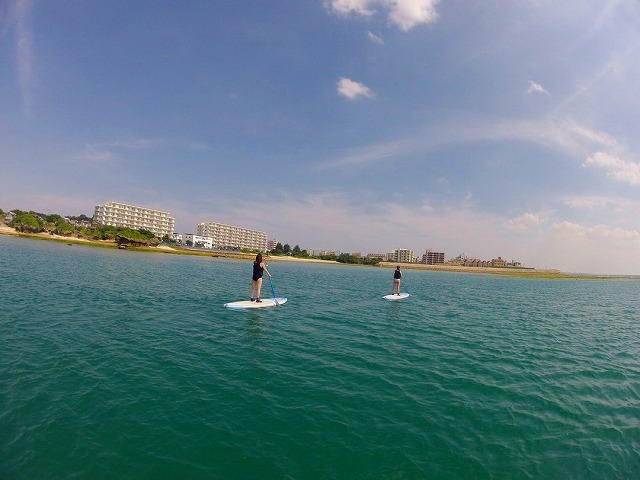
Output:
x,y
401,255
498,262
229,236
138,218
432,258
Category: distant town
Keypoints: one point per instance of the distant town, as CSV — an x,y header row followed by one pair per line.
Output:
x,y
144,224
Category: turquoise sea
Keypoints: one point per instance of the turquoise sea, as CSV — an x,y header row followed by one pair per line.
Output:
x,y
119,364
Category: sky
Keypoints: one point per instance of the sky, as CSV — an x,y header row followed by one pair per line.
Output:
x,y
491,128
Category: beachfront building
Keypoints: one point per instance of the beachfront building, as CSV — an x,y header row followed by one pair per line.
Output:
x,y
498,262
401,255
192,240
272,244
432,258
229,236
475,262
138,218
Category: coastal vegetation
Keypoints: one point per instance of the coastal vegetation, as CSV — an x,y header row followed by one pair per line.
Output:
x,y
79,227
296,252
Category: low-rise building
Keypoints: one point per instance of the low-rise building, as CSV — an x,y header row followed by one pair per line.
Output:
x,y
192,240
475,262
498,262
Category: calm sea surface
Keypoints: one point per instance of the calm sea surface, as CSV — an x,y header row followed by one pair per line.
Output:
x,y
118,364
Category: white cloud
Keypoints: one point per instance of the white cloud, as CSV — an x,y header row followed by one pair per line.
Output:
x,y
599,232
575,247
593,201
617,168
97,154
404,14
523,222
346,7
375,38
564,135
352,90
536,88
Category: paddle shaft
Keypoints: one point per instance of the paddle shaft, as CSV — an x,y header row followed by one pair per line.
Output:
x,y
273,291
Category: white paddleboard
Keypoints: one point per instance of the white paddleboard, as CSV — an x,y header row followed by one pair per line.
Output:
x,y
393,296
265,302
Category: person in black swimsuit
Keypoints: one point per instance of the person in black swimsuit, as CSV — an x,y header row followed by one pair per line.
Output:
x,y
256,280
397,275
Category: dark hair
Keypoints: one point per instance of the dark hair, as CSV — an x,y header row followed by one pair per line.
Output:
x,y
259,258
398,267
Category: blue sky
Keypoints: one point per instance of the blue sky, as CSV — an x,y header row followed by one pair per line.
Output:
x,y
505,128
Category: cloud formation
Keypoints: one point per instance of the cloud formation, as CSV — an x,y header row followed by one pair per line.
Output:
x,y
599,231
375,38
404,14
617,168
352,90
523,222
561,134
536,88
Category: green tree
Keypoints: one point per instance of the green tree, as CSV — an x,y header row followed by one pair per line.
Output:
x,y
63,228
53,218
347,258
27,222
80,218
146,233
371,261
286,248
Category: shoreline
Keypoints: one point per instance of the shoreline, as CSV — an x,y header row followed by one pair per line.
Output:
x,y
500,271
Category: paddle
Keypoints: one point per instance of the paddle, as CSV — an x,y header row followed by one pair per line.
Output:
x,y
273,291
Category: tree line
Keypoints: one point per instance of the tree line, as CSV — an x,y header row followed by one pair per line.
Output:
x,y
78,226
342,258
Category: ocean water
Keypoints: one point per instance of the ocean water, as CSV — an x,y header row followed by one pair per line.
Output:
x,y
120,364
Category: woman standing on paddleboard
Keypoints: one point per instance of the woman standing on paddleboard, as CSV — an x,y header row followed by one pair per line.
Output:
x,y
256,280
397,275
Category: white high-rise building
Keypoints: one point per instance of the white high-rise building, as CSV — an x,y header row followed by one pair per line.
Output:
x,y
138,218
225,236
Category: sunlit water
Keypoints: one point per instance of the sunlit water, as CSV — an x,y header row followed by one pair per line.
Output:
x,y
118,364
